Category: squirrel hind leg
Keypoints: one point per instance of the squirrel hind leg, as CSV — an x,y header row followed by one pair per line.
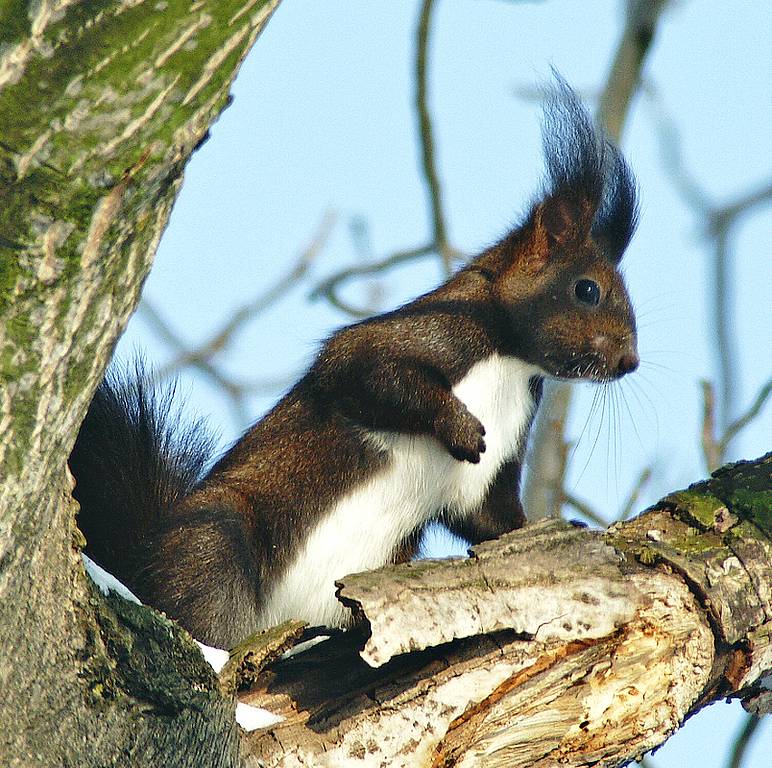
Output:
x,y
203,573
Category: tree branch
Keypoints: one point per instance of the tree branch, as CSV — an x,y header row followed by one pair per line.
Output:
x,y
718,222
434,192
743,740
623,633
329,288
439,244
715,448
101,105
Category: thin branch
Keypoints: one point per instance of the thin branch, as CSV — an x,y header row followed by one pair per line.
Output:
x,y
359,229
722,309
670,147
624,77
742,741
715,448
742,421
726,215
635,492
249,311
439,244
329,288
582,508
235,391
718,222
201,356
710,448
548,456
439,230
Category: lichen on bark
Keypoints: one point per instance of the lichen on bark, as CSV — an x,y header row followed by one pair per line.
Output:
x,y
101,105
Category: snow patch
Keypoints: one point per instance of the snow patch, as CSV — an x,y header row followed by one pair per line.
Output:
x,y
216,657
304,646
251,718
106,582
248,717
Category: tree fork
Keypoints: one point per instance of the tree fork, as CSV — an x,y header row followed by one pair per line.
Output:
x,y
539,649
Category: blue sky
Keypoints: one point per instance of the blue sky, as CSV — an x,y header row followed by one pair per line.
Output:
x,y
323,121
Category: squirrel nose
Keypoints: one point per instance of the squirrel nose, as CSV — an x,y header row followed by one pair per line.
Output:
x,y
628,362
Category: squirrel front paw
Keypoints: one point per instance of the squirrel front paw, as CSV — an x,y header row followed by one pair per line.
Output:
x,y
461,433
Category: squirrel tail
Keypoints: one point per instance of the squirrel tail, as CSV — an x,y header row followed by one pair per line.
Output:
x,y
134,459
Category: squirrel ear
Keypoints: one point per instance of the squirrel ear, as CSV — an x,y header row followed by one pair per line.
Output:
x,y
559,218
559,221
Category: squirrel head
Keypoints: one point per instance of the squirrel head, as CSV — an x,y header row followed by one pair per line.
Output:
x,y
557,276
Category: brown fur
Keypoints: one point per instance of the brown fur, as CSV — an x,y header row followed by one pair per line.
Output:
x,y
209,553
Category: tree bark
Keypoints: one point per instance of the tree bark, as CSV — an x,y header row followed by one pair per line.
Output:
x,y
552,645
101,105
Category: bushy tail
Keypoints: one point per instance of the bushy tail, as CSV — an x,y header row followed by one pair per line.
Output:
x,y
133,460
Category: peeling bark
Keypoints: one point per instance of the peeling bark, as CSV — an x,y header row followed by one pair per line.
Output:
x,y
553,645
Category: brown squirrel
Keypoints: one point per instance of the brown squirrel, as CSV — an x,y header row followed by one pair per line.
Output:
x,y
420,414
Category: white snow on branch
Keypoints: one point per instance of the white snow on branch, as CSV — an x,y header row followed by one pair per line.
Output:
x,y
106,582
304,646
251,718
248,717
217,657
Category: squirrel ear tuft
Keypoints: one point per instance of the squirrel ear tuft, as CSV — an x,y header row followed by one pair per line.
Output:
x,y
589,191
586,175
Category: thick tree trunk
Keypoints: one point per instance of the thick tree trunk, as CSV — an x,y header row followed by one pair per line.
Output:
x,y
101,105
553,645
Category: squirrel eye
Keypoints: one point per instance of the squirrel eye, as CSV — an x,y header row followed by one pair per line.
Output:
x,y
587,291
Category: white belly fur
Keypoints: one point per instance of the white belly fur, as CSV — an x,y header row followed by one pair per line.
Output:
x,y
363,528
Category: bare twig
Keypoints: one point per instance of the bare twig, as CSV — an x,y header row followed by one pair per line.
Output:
x,y
718,223
439,237
329,288
582,508
742,421
624,77
360,239
201,357
249,311
742,741
722,304
439,244
547,456
235,391
635,492
715,448
670,144
709,444
726,215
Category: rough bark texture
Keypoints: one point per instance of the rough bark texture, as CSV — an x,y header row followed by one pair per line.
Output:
x,y
576,648
553,645
101,105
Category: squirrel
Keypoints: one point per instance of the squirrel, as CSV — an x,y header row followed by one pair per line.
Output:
x,y
417,415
